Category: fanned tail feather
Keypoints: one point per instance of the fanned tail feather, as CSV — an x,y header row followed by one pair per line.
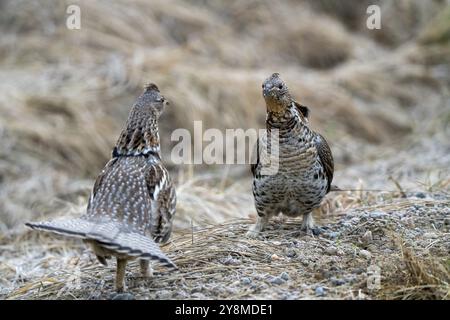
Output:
x,y
109,235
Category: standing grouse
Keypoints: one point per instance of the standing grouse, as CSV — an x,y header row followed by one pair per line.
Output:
x,y
304,161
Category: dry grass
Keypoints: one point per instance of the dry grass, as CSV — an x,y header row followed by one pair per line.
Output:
x,y
218,261
426,277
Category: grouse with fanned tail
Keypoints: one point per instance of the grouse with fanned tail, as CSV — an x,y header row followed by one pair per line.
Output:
x,y
132,204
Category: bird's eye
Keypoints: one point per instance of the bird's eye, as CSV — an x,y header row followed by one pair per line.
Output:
x,y
280,86
262,86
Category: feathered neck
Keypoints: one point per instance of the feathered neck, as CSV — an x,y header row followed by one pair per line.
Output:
x,y
140,137
282,118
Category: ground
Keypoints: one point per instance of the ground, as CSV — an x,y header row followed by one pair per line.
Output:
x,y
405,243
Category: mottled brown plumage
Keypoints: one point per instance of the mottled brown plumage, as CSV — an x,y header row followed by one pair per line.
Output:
x,y
305,163
133,201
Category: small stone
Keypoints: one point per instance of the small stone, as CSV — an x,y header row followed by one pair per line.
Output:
x,y
421,195
377,214
198,296
358,270
331,250
277,280
122,296
350,279
347,224
276,243
305,263
365,254
274,257
429,235
333,235
246,281
284,276
182,294
291,253
164,294
317,231
197,289
230,261
354,220
337,281
367,237
319,291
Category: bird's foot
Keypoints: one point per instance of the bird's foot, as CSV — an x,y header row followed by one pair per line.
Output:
x,y
146,269
310,231
149,273
259,226
122,296
252,233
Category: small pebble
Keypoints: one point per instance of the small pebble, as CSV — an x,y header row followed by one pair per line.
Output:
x,y
284,276
290,253
198,296
377,214
246,281
347,224
354,220
331,250
317,231
333,235
365,254
337,281
229,234
164,294
230,261
277,280
421,195
429,235
274,257
122,296
367,237
319,291
197,289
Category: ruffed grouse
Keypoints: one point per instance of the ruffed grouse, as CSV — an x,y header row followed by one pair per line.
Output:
x,y
304,161
133,200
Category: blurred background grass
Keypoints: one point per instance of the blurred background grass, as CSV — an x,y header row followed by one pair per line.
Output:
x,y
381,97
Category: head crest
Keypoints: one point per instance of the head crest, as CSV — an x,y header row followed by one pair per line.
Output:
x,y
151,87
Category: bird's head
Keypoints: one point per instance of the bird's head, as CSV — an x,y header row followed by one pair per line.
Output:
x,y
150,103
276,94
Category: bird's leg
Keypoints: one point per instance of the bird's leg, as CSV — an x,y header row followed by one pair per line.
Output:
x,y
146,269
102,260
120,274
308,223
259,226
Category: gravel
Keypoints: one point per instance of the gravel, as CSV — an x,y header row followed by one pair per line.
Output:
x,y
277,280
319,291
377,214
365,254
284,276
